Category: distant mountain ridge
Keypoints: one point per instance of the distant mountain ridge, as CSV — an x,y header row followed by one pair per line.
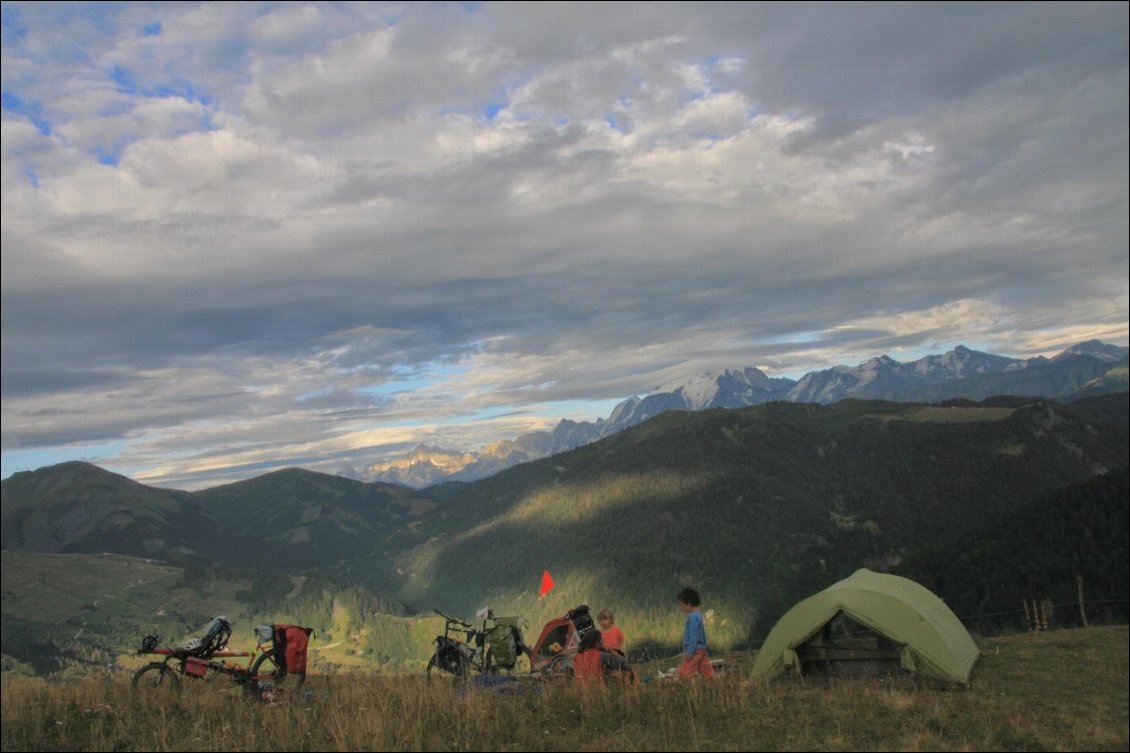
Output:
x,y
315,518
81,507
757,506
1090,367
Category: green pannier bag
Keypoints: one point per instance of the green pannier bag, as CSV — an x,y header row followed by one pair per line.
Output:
x,y
506,641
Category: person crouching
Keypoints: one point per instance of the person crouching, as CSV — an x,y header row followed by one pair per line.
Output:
x,y
588,670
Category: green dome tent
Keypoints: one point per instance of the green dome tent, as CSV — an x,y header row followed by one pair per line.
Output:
x,y
903,621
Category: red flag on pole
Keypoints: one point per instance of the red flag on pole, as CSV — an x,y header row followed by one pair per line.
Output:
x,y
546,583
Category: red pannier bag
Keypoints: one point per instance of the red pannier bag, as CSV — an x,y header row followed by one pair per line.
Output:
x,y
292,642
195,667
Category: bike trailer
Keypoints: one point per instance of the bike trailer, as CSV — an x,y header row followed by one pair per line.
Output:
x,y
581,619
561,637
292,642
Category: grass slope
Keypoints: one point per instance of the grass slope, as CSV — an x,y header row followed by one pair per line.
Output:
x,y
79,507
1064,690
69,613
302,520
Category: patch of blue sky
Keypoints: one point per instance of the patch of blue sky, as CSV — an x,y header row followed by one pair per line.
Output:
x,y
493,108
408,379
30,110
109,157
519,115
183,88
796,338
99,15
393,387
14,461
32,176
10,23
470,7
123,77
151,29
437,370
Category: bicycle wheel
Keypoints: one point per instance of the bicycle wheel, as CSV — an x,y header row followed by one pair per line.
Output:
x,y
452,671
156,677
560,669
268,673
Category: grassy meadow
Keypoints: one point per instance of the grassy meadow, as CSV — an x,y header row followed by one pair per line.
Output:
x,y
1060,690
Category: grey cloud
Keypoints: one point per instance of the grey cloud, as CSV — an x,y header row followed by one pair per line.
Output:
x,y
349,249
28,382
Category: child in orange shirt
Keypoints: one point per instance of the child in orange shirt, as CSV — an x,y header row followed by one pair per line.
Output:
x,y
610,634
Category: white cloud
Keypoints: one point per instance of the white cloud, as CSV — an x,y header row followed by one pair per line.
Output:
x,y
505,205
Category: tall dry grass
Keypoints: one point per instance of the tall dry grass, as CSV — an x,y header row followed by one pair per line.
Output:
x,y
1058,691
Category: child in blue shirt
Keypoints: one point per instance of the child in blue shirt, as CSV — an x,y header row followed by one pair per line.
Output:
x,y
695,657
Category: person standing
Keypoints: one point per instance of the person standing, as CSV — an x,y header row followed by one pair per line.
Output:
x,y
695,656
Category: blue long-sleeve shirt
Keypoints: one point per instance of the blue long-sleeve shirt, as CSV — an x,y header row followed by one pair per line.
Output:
x,y
694,634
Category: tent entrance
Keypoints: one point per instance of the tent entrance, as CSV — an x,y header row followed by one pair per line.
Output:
x,y
844,647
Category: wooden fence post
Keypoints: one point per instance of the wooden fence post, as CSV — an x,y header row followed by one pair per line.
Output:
x,y
1082,609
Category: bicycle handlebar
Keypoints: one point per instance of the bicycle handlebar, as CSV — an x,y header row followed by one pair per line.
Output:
x,y
452,619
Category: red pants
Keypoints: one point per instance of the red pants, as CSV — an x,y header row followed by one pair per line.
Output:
x,y
700,663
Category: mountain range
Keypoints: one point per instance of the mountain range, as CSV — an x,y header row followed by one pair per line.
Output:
x,y
317,519
755,506
1091,367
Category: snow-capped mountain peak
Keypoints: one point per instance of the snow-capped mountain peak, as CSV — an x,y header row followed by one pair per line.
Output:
x,y
1095,349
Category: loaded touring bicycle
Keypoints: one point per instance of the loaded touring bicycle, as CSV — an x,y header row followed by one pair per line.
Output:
x,y
278,661
492,648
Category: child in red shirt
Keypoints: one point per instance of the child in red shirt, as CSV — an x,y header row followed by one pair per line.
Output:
x,y
587,666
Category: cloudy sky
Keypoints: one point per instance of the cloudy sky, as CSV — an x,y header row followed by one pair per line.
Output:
x,y
240,236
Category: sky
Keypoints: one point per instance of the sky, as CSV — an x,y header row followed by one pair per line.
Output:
x,y
243,236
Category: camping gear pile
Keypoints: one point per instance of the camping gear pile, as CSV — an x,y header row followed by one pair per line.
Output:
x,y
560,639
